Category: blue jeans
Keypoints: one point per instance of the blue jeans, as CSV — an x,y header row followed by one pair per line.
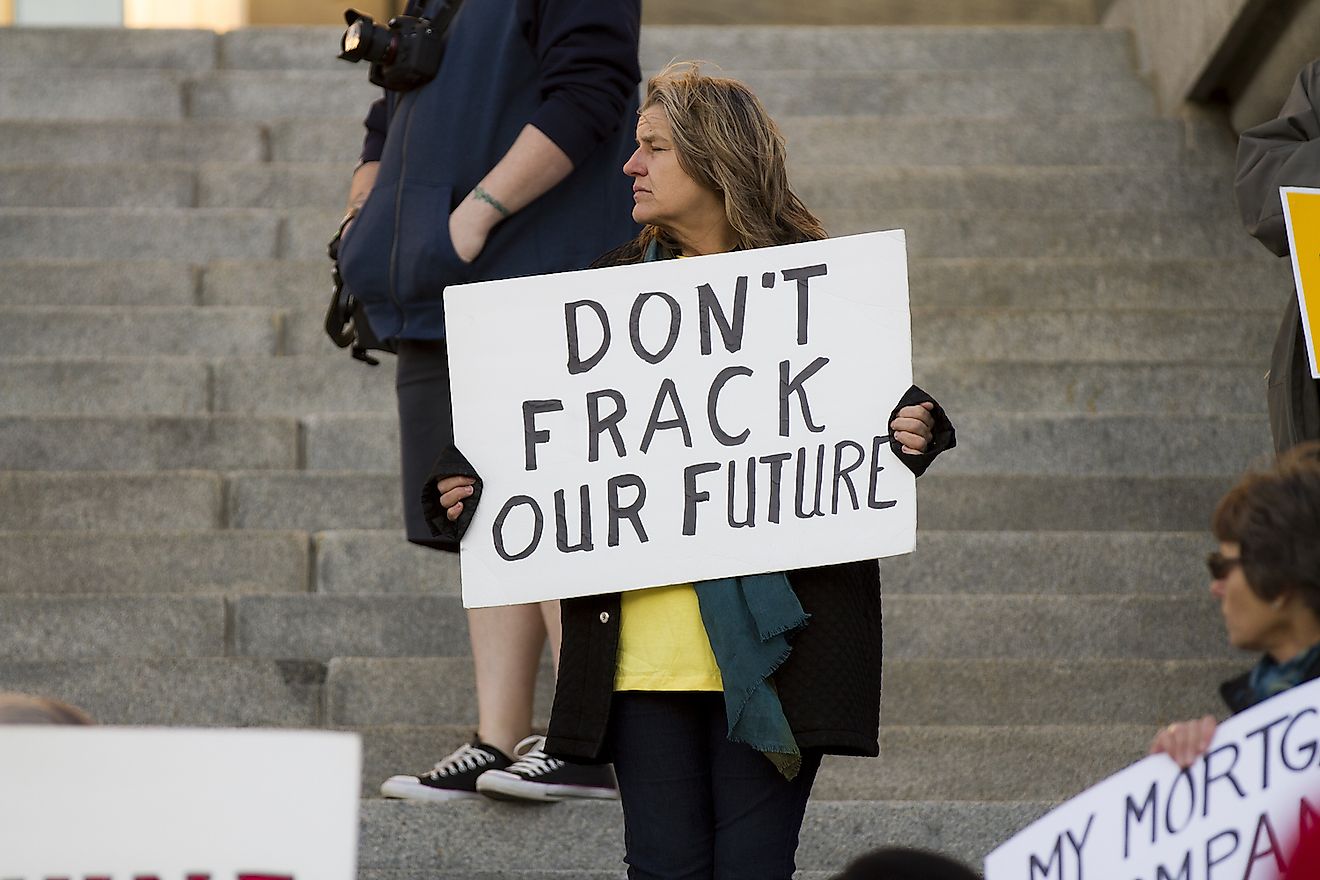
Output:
x,y
696,806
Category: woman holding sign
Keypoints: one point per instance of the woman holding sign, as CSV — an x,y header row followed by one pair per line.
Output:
x,y
715,701
1266,576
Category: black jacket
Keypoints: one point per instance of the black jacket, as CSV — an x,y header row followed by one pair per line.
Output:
x,y
1284,152
830,685
1239,697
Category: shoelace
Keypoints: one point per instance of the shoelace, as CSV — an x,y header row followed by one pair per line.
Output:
x,y
531,760
466,757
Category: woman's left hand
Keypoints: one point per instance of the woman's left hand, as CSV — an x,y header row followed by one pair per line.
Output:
x,y
914,428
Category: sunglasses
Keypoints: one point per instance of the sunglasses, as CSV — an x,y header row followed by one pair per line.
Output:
x,y
1220,565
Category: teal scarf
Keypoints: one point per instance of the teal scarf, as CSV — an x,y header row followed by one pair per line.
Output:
x,y
1269,678
747,620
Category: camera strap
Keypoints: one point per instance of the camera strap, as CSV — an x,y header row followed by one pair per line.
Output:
x,y
444,16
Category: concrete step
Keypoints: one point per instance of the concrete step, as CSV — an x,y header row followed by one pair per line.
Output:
x,y
1099,283
992,443
1015,282
106,186
859,187
30,94
28,48
990,764
278,284
1108,445
356,562
209,692
945,562
1032,335
105,563
1010,234
1163,336
883,140
119,140
138,233
327,500
584,841
321,627
856,12
65,282
315,501
834,188
961,693
1068,503
311,384
857,47
34,628
1098,388
1052,563
366,691
132,386
361,692
373,563
147,443
918,627
333,383
1020,282
286,94
941,234
98,331
41,501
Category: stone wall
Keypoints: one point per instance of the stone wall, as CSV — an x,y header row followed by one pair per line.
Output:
x,y
1240,53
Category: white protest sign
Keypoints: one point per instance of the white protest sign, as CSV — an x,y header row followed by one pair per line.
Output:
x,y
171,804
683,420
1233,815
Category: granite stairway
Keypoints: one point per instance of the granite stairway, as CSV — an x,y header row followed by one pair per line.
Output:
x,y
198,500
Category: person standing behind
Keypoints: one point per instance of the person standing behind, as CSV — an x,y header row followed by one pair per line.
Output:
x,y
1284,152
504,164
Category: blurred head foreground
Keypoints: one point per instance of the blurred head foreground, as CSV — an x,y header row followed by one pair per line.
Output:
x,y
897,863
1266,574
27,709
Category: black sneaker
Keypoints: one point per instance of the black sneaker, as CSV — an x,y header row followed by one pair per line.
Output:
x,y
453,778
536,776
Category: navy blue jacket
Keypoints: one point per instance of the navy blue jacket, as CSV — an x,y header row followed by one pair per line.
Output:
x,y
568,67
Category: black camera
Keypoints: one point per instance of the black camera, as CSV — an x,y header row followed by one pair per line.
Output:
x,y
404,54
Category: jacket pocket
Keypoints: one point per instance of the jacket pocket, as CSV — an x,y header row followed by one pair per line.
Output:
x,y
426,262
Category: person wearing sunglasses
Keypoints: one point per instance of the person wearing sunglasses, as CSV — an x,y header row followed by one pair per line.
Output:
x,y
1266,576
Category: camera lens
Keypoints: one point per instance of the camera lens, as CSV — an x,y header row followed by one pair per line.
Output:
x,y
364,40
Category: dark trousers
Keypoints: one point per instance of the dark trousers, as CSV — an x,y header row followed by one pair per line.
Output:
x,y
696,806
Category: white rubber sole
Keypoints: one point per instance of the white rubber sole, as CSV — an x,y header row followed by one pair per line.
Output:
x,y
506,786
409,789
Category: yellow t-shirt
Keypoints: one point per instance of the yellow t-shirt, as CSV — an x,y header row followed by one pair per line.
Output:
x,y
663,644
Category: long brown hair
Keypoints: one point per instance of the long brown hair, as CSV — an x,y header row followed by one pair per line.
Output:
x,y
727,142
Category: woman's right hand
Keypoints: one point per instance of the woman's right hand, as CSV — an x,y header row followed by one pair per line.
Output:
x,y
1185,741
452,492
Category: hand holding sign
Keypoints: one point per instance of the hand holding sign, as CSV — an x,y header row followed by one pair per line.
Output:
x,y
1185,741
